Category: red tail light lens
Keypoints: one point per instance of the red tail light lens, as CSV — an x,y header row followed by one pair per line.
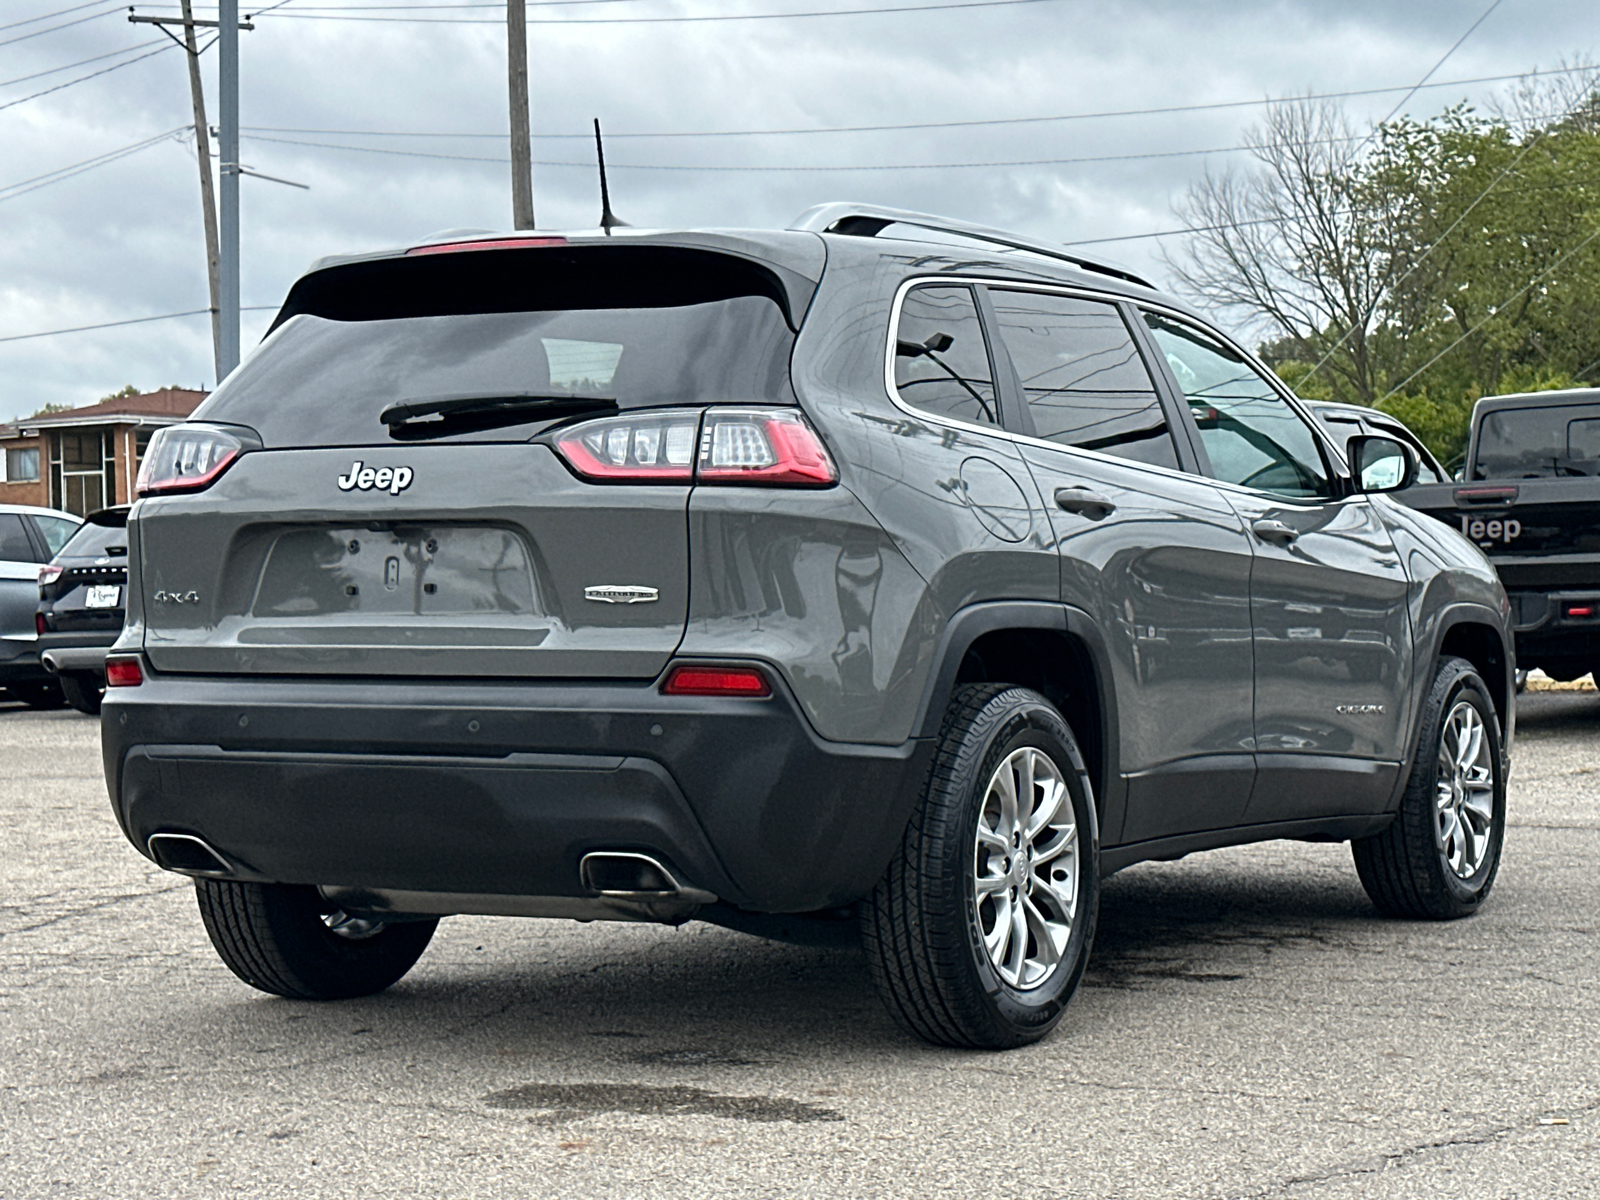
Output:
x,y
496,244
186,458
736,445
124,672
49,574
652,447
39,623
1580,610
716,681
762,445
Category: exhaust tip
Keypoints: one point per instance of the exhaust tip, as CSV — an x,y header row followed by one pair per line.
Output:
x,y
187,854
627,874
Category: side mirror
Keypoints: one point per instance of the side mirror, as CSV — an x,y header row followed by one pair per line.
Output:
x,y
1381,464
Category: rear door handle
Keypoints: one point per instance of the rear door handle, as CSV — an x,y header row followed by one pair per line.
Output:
x,y
1275,532
1085,503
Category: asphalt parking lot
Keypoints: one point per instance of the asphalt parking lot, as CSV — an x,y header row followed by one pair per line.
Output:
x,y
1249,1028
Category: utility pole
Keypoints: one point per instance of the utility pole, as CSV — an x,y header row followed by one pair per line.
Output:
x,y
228,114
521,138
202,147
208,200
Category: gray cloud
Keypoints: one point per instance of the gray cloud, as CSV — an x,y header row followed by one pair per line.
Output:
x,y
125,240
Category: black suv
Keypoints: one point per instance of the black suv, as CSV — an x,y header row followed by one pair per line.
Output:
x,y
882,568
80,610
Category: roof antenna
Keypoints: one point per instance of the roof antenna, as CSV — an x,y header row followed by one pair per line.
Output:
x,y
608,219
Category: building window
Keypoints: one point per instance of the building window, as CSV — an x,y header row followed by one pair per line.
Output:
x,y
79,470
22,466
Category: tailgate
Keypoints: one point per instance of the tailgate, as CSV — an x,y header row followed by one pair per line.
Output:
x,y
485,564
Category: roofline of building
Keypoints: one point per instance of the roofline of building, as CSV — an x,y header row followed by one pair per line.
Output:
x,y
25,428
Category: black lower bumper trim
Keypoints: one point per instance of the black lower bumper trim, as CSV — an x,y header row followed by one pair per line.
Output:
x,y
495,787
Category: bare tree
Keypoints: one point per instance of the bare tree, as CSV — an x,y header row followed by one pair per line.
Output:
x,y
1295,242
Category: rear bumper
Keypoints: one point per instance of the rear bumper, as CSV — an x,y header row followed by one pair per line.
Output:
x,y
76,652
1547,633
502,787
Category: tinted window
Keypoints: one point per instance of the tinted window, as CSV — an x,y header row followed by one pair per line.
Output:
x,y
941,363
90,540
1251,434
14,543
1527,443
1082,376
319,382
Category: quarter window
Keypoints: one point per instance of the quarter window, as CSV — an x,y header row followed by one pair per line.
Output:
x,y
1082,376
941,364
1251,434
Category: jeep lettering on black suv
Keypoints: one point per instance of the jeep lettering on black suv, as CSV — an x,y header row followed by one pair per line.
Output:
x,y
882,568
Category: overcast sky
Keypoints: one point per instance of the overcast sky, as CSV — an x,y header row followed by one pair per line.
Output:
x,y
123,240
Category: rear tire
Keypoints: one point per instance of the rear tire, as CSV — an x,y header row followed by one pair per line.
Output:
x,y
1439,857
42,695
286,940
83,692
980,930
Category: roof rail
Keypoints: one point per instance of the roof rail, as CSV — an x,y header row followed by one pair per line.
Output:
x,y
868,220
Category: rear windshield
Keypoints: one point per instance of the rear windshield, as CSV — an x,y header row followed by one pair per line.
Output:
x,y
327,372
93,541
1546,442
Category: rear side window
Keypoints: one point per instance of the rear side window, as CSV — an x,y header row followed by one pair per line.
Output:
x,y
1082,376
941,362
15,545
639,329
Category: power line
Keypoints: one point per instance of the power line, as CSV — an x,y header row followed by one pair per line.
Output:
x,y
60,12
681,20
23,186
82,62
589,166
191,312
85,78
1083,116
64,25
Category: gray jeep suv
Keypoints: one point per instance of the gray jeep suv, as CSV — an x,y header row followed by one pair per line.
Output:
x,y
881,569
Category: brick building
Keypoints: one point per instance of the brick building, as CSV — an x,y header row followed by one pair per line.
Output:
x,y
86,458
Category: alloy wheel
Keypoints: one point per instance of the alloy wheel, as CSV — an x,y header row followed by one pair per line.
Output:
x,y
1464,792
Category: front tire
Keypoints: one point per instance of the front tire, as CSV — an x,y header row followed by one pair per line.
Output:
x,y
286,940
1439,858
980,930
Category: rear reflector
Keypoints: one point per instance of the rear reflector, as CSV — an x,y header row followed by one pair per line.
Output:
x,y
1580,610
496,244
716,681
38,623
124,672
186,458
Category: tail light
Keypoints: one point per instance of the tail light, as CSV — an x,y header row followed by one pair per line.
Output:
x,y
186,458
49,574
648,448
495,244
716,681
39,623
731,445
124,671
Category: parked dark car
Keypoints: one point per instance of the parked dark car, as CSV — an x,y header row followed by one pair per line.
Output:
x,y
81,594
1529,496
884,568
1346,421
29,536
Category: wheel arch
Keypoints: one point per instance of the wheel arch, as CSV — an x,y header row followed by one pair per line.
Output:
x,y
1468,633
1054,649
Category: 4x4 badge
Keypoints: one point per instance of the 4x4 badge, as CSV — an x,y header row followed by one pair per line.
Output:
x,y
393,480
619,593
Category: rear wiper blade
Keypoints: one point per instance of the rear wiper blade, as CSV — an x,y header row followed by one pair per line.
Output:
x,y
430,417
